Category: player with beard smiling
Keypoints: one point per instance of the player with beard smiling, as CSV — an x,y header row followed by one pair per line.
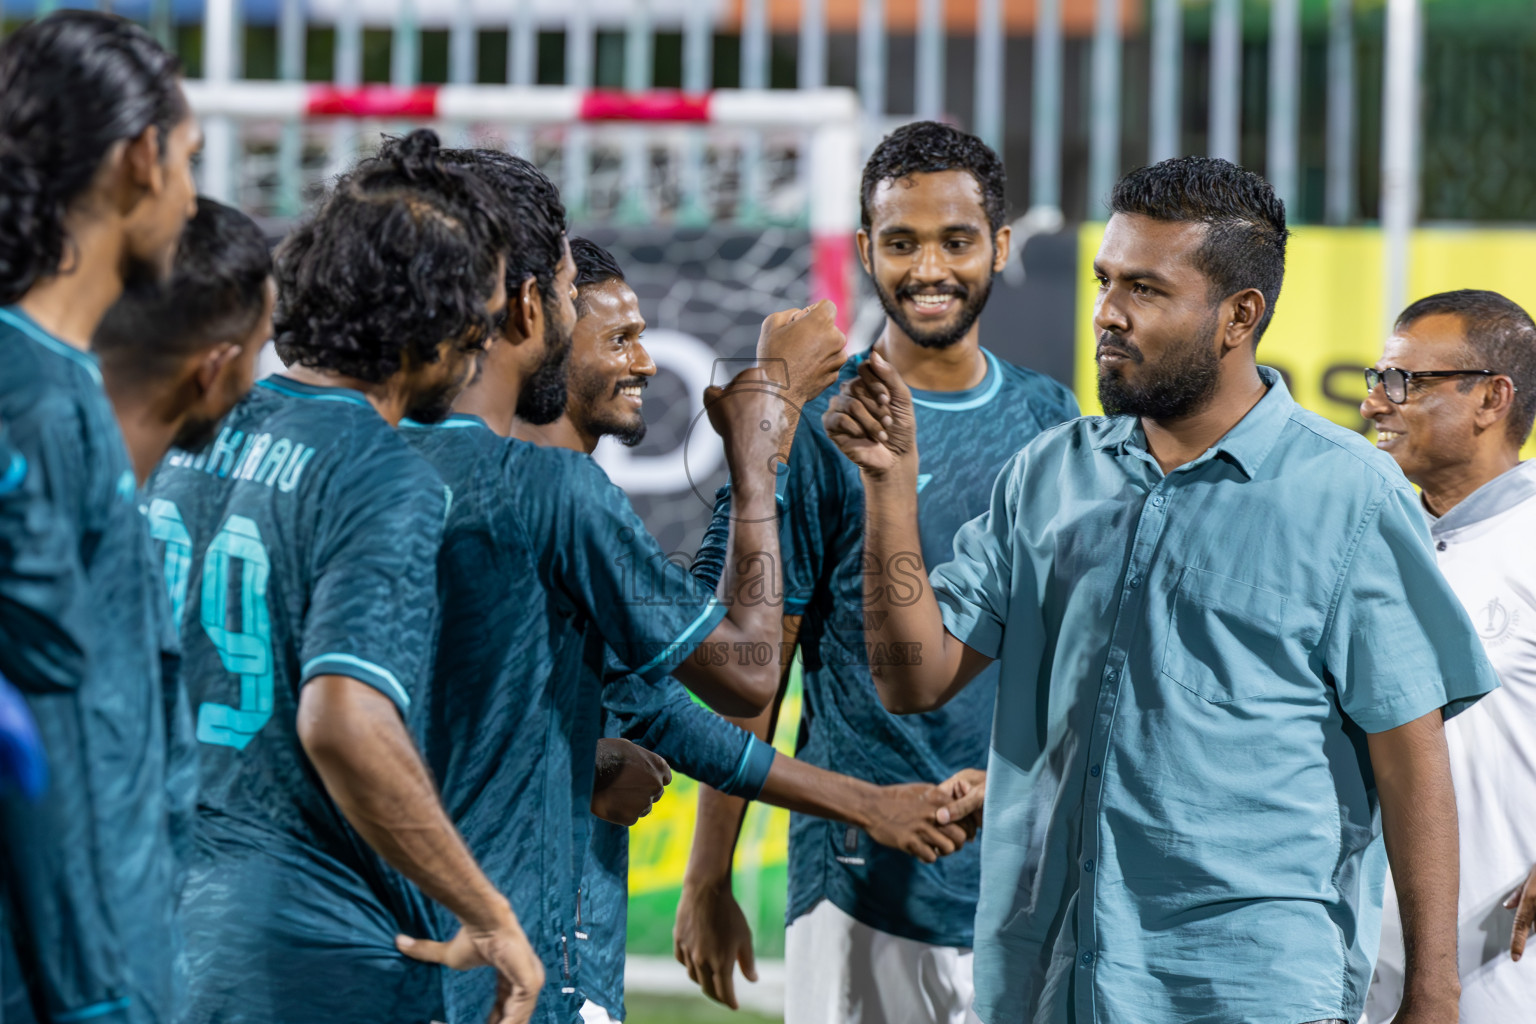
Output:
x,y
871,927
610,369
649,724
1226,656
544,561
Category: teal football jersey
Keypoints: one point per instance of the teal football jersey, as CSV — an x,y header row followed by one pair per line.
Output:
x,y
543,562
301,542
90,869
963,439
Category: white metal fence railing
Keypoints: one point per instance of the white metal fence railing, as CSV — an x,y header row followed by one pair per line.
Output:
x,y
1134,59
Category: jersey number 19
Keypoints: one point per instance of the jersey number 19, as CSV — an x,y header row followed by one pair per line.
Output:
x,y
245,650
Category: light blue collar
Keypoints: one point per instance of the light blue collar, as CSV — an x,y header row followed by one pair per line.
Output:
x,y
957,401
285,385
17,318
454,421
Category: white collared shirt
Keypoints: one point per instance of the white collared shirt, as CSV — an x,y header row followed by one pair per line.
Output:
x,y
1486,547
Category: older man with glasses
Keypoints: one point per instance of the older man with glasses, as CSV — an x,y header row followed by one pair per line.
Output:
x,y
1452,400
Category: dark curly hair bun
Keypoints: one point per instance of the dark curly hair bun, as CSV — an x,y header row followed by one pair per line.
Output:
x,y
401,257
417,153
71,85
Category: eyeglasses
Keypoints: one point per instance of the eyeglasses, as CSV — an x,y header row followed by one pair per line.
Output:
x,y
1394,382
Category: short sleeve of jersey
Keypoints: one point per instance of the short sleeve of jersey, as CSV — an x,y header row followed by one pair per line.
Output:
x,y
973,587
1400,644
43,592
709,561
664,719
373,606
652,613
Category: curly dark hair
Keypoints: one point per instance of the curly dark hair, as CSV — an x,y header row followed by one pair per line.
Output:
x,y
71,85
594,265
924,147
1499,335
533,212
1245,234
216,293
401,257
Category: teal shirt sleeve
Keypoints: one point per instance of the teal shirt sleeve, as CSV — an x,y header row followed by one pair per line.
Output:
x,y
1399,643
651,611
664,719
709,561
43,592
373,606
974,586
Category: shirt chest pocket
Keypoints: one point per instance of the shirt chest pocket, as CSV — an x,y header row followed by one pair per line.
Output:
x,y
1223,636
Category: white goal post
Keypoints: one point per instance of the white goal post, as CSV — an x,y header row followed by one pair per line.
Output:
x,y
830,118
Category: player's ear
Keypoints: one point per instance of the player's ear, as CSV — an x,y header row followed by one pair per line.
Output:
x,y
863,240
212,363
1498,398
140,158
525,312
1247,309
1002,245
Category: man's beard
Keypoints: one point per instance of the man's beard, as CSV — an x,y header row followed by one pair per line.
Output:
x,y
971,305
435,405
542,398
589,391
1179,384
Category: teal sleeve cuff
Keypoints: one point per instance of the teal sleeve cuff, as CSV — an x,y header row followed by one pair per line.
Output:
x,y
98,1013
364,671
752,771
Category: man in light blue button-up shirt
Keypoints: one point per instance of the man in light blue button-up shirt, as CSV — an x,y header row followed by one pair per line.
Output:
x,y
1226,657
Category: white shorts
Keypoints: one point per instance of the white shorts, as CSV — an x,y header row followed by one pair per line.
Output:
x,y
840,971
591,1013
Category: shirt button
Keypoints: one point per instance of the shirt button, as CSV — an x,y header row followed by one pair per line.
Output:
x,y
1094,771
1441,546
1088,865
1135,582
1158,501
1111,675
1086,959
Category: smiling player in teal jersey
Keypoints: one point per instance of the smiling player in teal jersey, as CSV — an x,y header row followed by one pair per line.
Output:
x,y
96,141
934,235
542,554
609,371
305,537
